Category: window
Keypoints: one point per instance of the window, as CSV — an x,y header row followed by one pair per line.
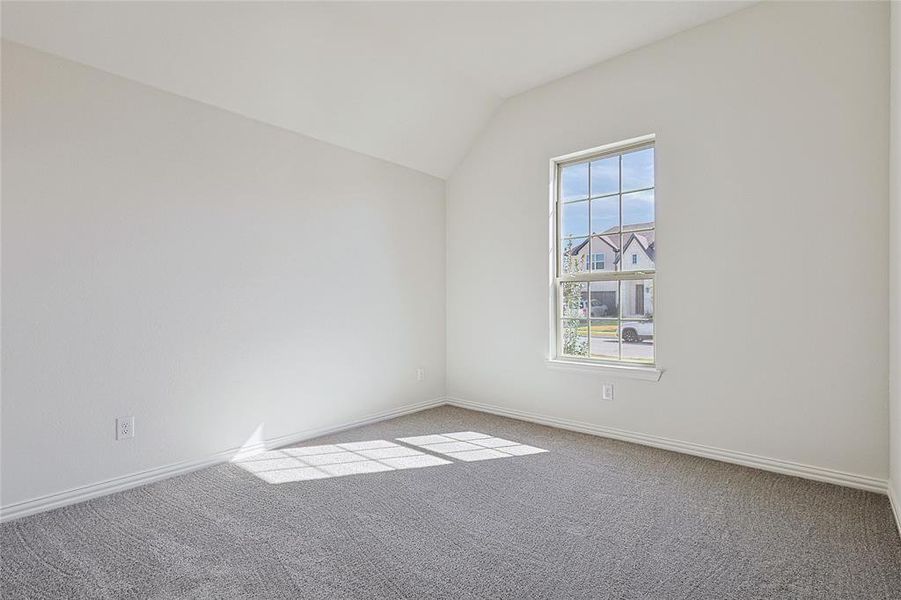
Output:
x,y
604,207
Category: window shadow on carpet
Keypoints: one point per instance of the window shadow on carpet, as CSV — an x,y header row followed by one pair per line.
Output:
x,y
355,458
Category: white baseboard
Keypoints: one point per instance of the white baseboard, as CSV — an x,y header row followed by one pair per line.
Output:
x,y
863,482
118,484
894,499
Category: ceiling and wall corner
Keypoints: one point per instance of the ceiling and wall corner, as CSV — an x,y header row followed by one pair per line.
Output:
x,y
410,83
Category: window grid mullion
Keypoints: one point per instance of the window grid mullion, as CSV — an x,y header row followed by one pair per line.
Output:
x,y
590,247
576,237
604,196
622,259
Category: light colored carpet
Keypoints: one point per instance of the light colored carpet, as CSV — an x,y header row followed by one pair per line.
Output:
x,y
591,518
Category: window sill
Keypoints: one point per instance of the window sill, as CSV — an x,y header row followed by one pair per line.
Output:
x,y
626,371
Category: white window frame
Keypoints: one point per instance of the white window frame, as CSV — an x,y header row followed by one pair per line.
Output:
x,y
556,359
595,261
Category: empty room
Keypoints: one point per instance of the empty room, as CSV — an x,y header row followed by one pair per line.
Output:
x,y
451,300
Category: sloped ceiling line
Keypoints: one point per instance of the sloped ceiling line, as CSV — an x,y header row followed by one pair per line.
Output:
x,y
410,83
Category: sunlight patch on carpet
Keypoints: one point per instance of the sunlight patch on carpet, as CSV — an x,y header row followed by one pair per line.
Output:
x,y
470,446
335,460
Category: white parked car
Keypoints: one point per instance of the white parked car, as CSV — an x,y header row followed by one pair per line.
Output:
x,y
637,331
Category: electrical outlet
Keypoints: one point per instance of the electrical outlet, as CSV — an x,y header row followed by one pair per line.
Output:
x,y
420,374
607,391
125,428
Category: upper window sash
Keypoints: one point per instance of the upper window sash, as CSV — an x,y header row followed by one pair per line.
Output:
x,y
591,156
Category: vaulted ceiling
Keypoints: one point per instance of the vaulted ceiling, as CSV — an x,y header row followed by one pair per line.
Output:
x,y
411,83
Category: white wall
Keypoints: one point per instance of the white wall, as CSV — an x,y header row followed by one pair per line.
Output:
x,y
770,149
195,269
895,258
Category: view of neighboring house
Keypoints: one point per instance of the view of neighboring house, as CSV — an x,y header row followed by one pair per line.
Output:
x,y
605,252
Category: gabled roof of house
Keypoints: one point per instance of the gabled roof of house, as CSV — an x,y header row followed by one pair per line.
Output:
x,y
645,239
609,240
611,237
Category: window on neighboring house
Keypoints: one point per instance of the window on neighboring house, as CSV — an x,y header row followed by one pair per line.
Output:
x,y
604,200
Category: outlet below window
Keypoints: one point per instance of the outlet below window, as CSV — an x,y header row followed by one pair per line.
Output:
x,y
125,428
607,391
